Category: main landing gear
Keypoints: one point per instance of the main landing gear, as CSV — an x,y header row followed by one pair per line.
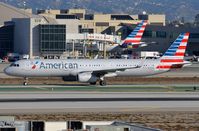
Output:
x,y
101,82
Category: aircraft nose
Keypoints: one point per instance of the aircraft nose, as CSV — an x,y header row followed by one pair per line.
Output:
x,y
7,71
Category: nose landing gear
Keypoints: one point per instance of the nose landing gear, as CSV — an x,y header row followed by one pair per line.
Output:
x,y
25,83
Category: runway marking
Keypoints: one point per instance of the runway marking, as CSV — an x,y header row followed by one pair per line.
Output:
x,y
42,88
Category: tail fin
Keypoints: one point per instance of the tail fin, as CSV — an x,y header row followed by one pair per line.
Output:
x,y
135,36
174,56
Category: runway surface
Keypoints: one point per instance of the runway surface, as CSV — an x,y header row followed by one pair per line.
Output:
x,y
34,103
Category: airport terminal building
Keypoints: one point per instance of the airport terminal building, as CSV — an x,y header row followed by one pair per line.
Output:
x,y
161,37
73,32
53,32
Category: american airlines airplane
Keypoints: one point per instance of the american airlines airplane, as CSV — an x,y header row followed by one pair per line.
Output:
x,y
92,71
133,40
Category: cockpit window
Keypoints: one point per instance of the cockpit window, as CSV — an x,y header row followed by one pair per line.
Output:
x,y
14,65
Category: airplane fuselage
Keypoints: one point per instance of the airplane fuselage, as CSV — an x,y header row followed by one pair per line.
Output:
x,y
60,68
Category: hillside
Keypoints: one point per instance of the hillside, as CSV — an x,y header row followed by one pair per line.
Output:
x,y
174,10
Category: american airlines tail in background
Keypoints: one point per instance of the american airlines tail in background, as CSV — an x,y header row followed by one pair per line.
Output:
x,y
174,56
133,40
92,71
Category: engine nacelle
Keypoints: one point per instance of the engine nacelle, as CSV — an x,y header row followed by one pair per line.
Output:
x,y
82,77
70,78
87,77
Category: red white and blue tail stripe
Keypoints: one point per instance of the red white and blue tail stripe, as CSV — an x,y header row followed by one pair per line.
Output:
x,y
174,56
134,38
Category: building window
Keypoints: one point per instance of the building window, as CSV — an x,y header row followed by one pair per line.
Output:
x,y
143,17
148,34
87,30
121,17
6,40
41,11
89,17
79,15
63,11
161,34
66,17
52,38
102,24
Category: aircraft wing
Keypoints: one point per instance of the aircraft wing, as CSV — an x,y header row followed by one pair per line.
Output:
x,y
100,72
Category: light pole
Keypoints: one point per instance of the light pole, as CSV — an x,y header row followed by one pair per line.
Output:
x,y
104,46
24,7
73,48
84,45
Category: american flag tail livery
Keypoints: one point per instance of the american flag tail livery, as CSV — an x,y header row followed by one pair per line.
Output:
x,y
174,56
134,38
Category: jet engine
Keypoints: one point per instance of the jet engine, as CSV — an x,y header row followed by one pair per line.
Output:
x,y
87,77
82,77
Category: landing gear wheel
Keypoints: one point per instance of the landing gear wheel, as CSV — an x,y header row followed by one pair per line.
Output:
x,y
25,83
103,83
93,83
